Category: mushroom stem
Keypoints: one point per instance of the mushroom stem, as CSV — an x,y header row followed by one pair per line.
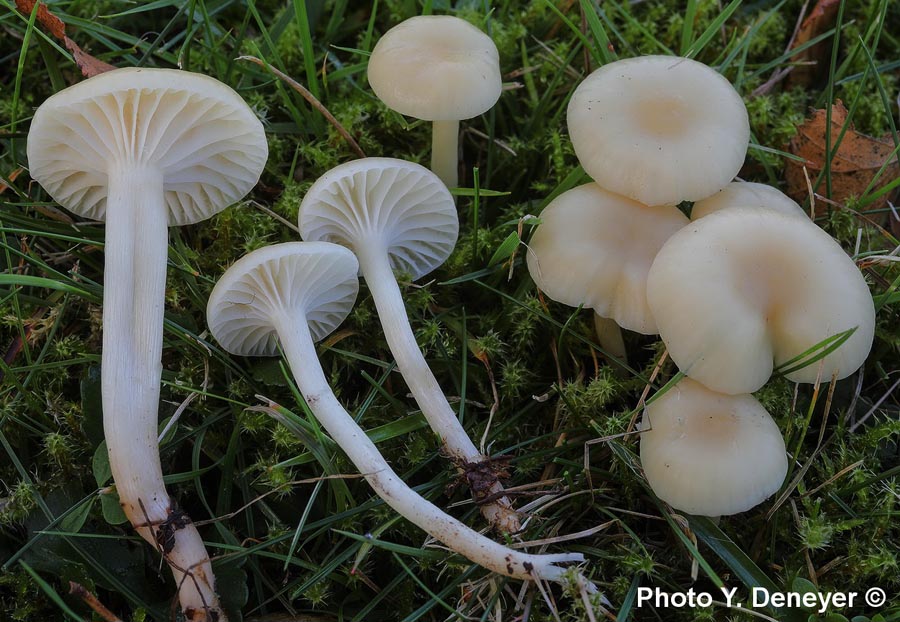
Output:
x,y
445,151
299,350
134,281
376,269
609,336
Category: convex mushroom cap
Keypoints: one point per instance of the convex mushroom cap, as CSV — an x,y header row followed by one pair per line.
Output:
x,y
711,454
436,68
659,129
743,290
594,248
191,130
440,69
313,280
747,194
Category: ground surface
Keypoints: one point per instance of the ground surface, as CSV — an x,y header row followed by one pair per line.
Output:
x,y
329,550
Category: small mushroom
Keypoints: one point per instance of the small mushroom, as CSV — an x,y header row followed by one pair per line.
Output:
x,y
437,68
659,129
743,290
747,194
397,215
291,295
711,454
145,149
594,248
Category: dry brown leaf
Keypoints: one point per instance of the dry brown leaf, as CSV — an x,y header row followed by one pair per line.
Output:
x,y
820,20
45,18
853,166
89,65
11,177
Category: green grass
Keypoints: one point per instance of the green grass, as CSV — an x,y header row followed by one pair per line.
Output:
x,y
287,540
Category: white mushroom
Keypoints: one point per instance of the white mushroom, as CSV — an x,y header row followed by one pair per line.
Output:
x,y
747,194
743,290
144,149
659,129
291,295
396,215
711,454
438,68
594,248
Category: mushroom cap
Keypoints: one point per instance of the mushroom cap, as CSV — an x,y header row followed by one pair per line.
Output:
x,y
711,454
659,129
747,194
205,140
398,204
742,289
436,68
315,279
594,248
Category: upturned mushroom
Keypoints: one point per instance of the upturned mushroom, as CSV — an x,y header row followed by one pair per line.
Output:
x,y
747,194
291,295
145,149
397,215
711,454
744,290
659,129
594,248
437,68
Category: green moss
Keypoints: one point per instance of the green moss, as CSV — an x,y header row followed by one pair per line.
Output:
x,y
515,378
870,116
777,398
591,400
815,531
639,561
881,562
272,476
18,504
60,448
318,594
21,600
255,422
773,32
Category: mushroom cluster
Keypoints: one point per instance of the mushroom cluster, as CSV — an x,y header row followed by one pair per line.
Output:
x,y
370,217
144,149
746,287
291,295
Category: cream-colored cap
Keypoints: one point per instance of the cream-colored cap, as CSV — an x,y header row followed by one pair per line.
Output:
x,y
711,454
436,68
743,290
594,248
659,129
748,194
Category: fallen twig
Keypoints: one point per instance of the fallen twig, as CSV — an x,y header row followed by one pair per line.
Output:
x,y
309,97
